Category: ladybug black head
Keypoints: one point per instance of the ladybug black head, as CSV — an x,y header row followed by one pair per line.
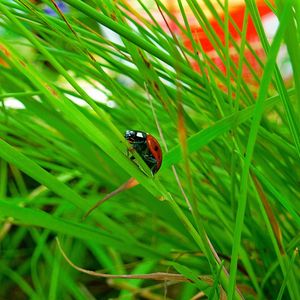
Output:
x,y
129,134
135,136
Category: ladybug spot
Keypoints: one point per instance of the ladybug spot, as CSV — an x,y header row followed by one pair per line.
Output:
x,y
156,148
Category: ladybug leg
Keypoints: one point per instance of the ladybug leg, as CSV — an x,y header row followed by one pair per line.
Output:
x,y
130,150
129,153
135,147
151,162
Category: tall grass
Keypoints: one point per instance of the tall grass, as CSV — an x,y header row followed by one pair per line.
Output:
x,y
222,214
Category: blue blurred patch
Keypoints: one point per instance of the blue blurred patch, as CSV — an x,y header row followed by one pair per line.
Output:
x,y
52,12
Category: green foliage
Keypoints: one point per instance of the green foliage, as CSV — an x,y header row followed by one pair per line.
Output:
x,y
223,211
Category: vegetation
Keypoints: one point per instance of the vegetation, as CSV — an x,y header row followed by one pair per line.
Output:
x,y
220,218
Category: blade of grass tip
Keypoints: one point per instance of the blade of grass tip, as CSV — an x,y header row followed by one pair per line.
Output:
x,y
132,182
263,90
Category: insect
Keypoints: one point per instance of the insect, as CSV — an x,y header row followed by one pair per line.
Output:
x,y
147,147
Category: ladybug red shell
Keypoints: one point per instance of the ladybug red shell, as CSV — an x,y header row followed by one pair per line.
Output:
x,y
147,147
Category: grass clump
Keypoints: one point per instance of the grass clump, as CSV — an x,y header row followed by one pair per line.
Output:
x,y
221,217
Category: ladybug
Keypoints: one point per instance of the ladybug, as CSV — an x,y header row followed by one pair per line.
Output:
x,y
147,147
